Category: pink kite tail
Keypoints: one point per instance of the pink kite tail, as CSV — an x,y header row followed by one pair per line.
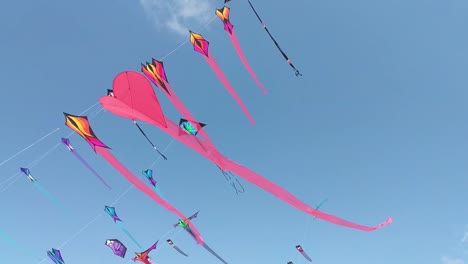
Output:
x,y
175,100
78,156
215,67
121,109
291,199
107,155
241,55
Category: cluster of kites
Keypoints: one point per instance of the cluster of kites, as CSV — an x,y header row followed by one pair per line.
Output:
x,y
132,97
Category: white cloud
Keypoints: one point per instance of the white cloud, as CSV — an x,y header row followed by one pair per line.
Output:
x,y
447,260
465,237
179,15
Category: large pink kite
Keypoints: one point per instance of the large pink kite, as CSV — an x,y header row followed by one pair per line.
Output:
x,y
142,91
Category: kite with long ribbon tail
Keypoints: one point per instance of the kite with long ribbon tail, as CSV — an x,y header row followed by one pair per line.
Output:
x,y
81,126
144,256
146,113
171,243
111,94
301,250
67,143
55,256
156,73
43,190
184,224
201,46
149,175
223,14
112,213
296,71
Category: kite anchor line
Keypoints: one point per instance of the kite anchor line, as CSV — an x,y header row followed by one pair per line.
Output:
x,y
227,175
144,134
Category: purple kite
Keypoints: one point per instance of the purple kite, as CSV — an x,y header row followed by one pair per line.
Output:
x,y
301,250
55,256
67,143
117,247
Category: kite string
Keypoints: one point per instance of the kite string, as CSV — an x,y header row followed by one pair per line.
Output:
x,y
30,146
34,163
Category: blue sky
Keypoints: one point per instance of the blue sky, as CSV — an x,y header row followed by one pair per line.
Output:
x,y
377,125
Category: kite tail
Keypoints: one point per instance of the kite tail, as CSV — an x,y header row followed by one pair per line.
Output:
x,y
48,194
241,55
78,156
320,205
156,188
188,115
215,67
144,134
274,41
306,256
180,251
17,246
287,197
122,227
213,253
107,155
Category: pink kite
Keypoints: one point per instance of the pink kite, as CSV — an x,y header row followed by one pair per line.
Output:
x,y
201,45
143,92
223,14
81,126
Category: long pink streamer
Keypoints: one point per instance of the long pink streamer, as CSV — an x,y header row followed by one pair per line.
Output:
x,y
175,100
119,108
240,53
107,155
215,67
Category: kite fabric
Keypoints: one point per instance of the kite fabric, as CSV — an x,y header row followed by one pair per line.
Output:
x,y
112,213
67,143
171,243
111,94
149,175
117,247
81,126
55,256
186,227
223,15
201,46
144,93
144,256
43,190
296,71
301,250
